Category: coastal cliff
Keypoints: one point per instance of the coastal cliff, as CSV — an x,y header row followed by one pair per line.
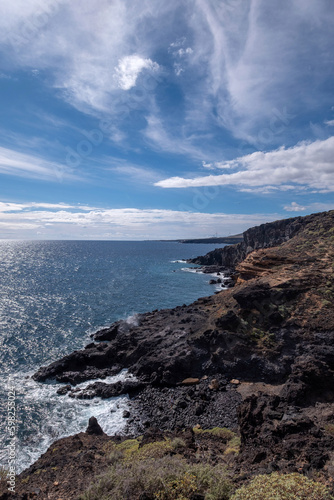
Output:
x,y
264,236
242,380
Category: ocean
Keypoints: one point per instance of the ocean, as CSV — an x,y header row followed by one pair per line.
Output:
x,y
54,295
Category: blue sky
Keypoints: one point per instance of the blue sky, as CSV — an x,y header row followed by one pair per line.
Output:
x,y
123,119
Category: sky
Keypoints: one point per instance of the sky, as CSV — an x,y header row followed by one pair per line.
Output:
x,y
134,120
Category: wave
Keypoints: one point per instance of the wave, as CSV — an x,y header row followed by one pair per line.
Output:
x,y
133,319
47,416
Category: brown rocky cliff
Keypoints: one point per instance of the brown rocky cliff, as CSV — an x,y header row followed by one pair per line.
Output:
x,y
264,236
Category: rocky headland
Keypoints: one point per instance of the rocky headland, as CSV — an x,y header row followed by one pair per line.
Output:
x,y
255,362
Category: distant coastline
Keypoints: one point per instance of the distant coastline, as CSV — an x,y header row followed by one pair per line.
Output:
x,y
231,240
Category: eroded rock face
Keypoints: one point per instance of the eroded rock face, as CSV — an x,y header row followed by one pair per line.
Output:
x,y
264,236
312,376
279,436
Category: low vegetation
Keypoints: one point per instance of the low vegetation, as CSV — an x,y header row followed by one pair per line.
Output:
x,y
161,472
166,478
172,478
282,487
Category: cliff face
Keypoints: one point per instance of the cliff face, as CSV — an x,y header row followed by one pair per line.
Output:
x,y
264,236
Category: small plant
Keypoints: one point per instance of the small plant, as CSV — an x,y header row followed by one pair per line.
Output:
x,y
233,446
220,490
115,456
178,489
329,429
177,443
282,487
262,338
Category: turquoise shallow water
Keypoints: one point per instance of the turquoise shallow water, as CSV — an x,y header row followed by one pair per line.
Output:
x,y
54,294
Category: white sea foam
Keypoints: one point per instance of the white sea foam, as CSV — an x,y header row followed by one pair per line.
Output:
x,y
112,379
180,261
218,286
133,319
192,270
62,416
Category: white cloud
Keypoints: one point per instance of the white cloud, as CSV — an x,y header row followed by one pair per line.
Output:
x,y
312,207
209,166
130,67
23,220
330,123
177,49
178,43
26,165
306,164
81,44
241,57
185,52
179,52
219,165
294,207
178,68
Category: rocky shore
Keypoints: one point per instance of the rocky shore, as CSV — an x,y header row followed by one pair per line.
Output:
x,y
257,358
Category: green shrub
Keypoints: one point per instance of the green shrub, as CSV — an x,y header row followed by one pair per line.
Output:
x,y
178,489
166,478
177,443
116,456
282,487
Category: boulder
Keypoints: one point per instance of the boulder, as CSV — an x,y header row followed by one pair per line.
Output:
x,y
94,427
190,381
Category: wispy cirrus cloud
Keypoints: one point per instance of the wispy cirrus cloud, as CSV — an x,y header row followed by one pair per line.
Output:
x,y
308,165
244,58
161,139
18,207
90,50
32,166
254,51
135,173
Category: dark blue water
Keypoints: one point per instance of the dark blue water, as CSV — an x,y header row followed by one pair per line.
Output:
x,y
53,295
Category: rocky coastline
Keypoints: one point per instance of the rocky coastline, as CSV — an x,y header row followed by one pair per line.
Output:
x,y
256,358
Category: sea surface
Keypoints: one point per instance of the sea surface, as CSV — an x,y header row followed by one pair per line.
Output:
x,y
53,296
